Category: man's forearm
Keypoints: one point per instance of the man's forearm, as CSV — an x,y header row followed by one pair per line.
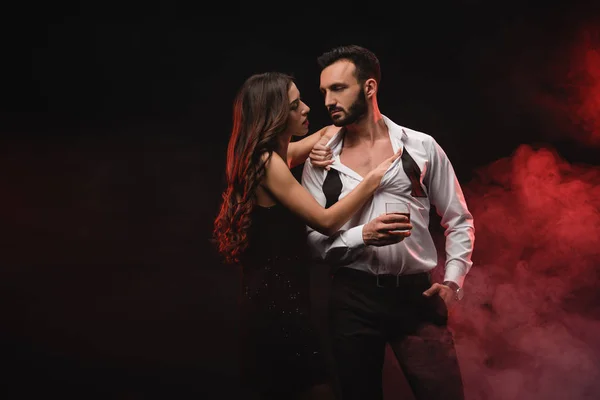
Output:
x,y
341,248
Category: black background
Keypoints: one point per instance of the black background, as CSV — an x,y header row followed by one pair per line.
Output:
x,y
112,150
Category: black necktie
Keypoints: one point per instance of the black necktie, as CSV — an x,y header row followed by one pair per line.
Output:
x,y
412,170
332,187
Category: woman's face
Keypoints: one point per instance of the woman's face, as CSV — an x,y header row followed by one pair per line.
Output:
x,y
297,123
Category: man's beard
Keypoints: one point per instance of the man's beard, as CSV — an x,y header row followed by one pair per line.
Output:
x,y
356,111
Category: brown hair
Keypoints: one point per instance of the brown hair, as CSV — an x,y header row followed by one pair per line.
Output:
x,y
365,61
260,113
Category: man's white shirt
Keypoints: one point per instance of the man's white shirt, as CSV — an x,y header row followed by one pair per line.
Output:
x,y
417,253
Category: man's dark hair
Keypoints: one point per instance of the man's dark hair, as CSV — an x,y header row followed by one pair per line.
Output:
x,y
366,62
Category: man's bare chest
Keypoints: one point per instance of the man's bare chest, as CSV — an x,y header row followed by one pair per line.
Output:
x,y
363,160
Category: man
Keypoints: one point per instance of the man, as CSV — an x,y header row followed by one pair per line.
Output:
x,y
382,290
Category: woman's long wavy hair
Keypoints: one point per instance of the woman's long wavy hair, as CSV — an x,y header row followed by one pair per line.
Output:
x,y
260,113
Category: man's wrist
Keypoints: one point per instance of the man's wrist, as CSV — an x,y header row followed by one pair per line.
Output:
x,y
458,292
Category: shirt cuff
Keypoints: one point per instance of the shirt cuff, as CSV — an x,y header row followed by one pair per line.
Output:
x,y
354,237
455,273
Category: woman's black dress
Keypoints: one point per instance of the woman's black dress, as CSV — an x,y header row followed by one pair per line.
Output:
x,y
281,351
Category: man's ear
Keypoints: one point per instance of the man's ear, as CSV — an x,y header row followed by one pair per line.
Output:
x,y
370,87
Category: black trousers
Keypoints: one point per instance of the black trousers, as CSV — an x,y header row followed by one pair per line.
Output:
x,y
366,313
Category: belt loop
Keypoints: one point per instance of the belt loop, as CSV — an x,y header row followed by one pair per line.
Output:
x,y
377,278
398,280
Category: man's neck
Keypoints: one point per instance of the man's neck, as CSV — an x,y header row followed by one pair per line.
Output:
x,y
366,131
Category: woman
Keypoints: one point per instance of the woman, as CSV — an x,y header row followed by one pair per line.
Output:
x,y
262,225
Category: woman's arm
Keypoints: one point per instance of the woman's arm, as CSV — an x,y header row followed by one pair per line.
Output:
x,y
289,192
298,151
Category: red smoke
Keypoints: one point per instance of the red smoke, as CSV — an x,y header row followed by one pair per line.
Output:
x,y
565,85
528,327
584,78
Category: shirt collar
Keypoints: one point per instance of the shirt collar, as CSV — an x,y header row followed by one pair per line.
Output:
x,y
397,136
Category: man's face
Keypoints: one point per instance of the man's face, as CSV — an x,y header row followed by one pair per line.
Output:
x,y
345,98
